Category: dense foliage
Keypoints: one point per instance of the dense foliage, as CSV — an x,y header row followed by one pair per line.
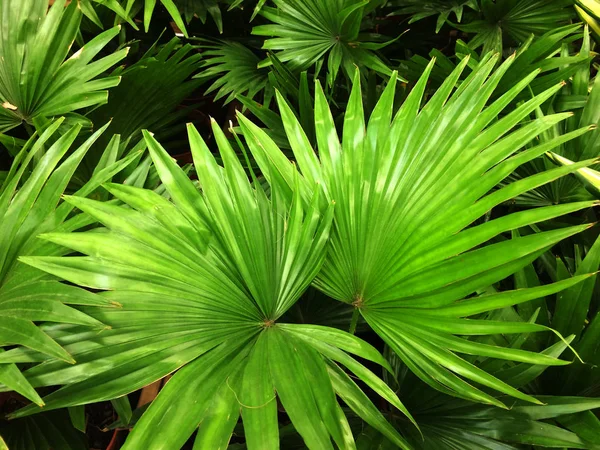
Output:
x,y
353,224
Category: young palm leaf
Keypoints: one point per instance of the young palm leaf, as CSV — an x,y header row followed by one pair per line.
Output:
x,y
203,280
35,81
29,206
406,189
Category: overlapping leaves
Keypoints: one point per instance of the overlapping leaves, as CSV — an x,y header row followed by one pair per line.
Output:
x,y
513,21
203,279
542,52
29,205
581,94
407,188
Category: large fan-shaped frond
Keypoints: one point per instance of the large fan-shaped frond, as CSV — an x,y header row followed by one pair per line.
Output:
x,y
407,188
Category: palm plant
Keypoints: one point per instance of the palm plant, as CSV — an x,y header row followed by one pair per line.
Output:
x,y
406,271
234,274
427,280
35,80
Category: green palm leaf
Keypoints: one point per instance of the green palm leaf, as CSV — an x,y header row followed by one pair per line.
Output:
x,y
150,91
309,32
29,205
581,95
35,79
235,67
203,280
406,190
515,20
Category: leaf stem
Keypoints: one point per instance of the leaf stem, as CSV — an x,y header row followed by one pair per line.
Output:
x,y
354,320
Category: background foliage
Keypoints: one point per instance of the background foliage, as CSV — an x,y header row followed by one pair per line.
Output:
x,y
262,224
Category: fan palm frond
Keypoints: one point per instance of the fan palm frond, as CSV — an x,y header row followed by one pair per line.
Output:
x,y
35,79
406,189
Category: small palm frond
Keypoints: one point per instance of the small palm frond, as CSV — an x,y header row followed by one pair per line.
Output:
x,y
35,79
236,69
305,33
406,188
149,92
